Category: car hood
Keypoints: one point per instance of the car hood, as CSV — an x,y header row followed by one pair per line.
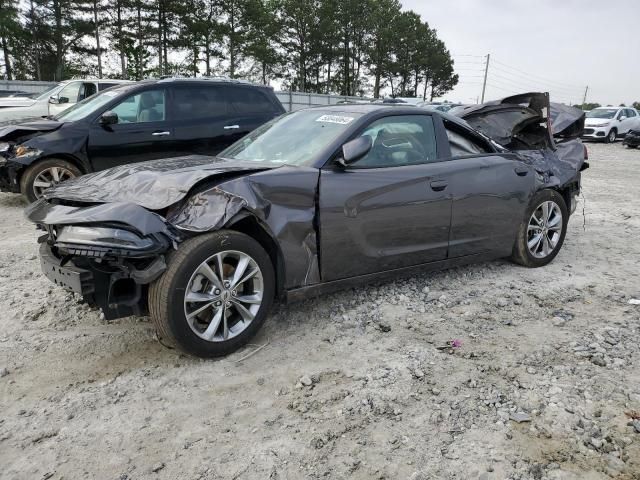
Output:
x,y
16,132
154,185
16,102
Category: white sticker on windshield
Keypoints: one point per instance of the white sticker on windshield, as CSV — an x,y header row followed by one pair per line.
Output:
x,y
335,119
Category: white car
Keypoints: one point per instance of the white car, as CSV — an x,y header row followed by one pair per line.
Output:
x,y
52,101
609,123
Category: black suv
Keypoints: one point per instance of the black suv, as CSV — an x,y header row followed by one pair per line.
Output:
x,y
130,123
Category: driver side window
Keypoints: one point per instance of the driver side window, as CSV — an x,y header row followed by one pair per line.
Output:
x,y
148,106
399,141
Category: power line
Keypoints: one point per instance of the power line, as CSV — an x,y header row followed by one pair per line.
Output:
x,y
532,81
548,80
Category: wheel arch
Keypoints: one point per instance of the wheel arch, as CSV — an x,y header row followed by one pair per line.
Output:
x,y
249,224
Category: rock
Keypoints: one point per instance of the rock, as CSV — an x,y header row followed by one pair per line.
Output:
x,y
596,442
418,373
156,468
435,391
558,321
520,417
3,372
425,290
634,301
502,302
306,380
598,360
636,425
383,326
317,443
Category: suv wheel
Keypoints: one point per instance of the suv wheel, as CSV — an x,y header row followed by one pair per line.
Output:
x,y
542,231
215,294
611,136
44,174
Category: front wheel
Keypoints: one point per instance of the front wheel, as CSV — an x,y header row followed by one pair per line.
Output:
x,y
44,174
215,294
611,137
542,231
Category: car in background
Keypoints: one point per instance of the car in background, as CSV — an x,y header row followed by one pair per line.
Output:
x,y
315,201
609,123
131,123
52,101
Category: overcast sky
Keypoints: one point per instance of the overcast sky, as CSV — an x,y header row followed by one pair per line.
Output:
x,y
560,46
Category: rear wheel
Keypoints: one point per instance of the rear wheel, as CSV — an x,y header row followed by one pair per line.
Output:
x,y
611,136
215,294
44,174
542,231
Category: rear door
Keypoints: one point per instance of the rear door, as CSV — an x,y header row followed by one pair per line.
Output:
x,y
389,210
205,120
490,193
143,132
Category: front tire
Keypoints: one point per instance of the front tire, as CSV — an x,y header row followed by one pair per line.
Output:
x,y
542,231
215,294
611,136
44,174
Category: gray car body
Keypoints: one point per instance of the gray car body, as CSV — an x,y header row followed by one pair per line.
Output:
x,y
324,225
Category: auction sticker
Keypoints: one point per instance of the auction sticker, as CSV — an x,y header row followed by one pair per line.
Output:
x,y
335,119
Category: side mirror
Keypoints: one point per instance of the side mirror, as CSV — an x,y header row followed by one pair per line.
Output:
x,y
108,118
355,149
54,99
623,117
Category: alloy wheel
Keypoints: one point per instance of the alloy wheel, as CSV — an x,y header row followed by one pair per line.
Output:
x,y
223,296
612,136
50,177
545,229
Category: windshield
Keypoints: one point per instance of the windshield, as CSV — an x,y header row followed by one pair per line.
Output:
x,y
89,105
294,139
602,113
45,94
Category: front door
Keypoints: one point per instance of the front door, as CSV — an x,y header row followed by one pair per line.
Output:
x,y
143,132
390,209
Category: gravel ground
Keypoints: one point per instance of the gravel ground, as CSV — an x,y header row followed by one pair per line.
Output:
x,y
360,384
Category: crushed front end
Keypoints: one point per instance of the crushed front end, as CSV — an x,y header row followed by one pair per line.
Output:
x,y
90,251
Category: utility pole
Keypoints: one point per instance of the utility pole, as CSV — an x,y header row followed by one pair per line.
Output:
x,y
486,71
584,100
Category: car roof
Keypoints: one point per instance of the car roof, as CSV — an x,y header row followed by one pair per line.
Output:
x,y
207,80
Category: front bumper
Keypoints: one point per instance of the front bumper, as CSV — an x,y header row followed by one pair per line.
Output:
x,y
9,175
115,286
595,133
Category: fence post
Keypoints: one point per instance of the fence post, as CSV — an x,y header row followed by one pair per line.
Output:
x,y
290,101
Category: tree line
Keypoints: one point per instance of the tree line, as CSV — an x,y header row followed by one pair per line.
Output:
x,y
349,47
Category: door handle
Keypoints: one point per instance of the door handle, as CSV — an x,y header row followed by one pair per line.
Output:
x,y
161,134
438,185
521,171
231,127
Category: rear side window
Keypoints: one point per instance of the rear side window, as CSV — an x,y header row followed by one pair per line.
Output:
x,y
199,102
249,100
462,144
630,113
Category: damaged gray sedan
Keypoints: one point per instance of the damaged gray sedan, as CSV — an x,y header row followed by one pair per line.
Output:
x,y
314,201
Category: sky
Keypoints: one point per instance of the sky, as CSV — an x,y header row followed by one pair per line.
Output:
x,y
560,46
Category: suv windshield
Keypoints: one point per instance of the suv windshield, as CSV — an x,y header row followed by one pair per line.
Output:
x,y
602,113
90,104
294,139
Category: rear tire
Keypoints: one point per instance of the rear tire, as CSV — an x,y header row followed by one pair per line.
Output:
x,y
50,171
611,136
542,231
204,312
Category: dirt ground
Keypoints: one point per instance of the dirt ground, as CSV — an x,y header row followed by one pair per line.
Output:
x,y
351,385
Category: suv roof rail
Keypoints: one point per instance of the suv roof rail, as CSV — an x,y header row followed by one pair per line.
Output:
x,y
213,78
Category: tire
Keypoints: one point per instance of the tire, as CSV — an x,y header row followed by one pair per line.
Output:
x,y
34,178
611,136
168,305
540,255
